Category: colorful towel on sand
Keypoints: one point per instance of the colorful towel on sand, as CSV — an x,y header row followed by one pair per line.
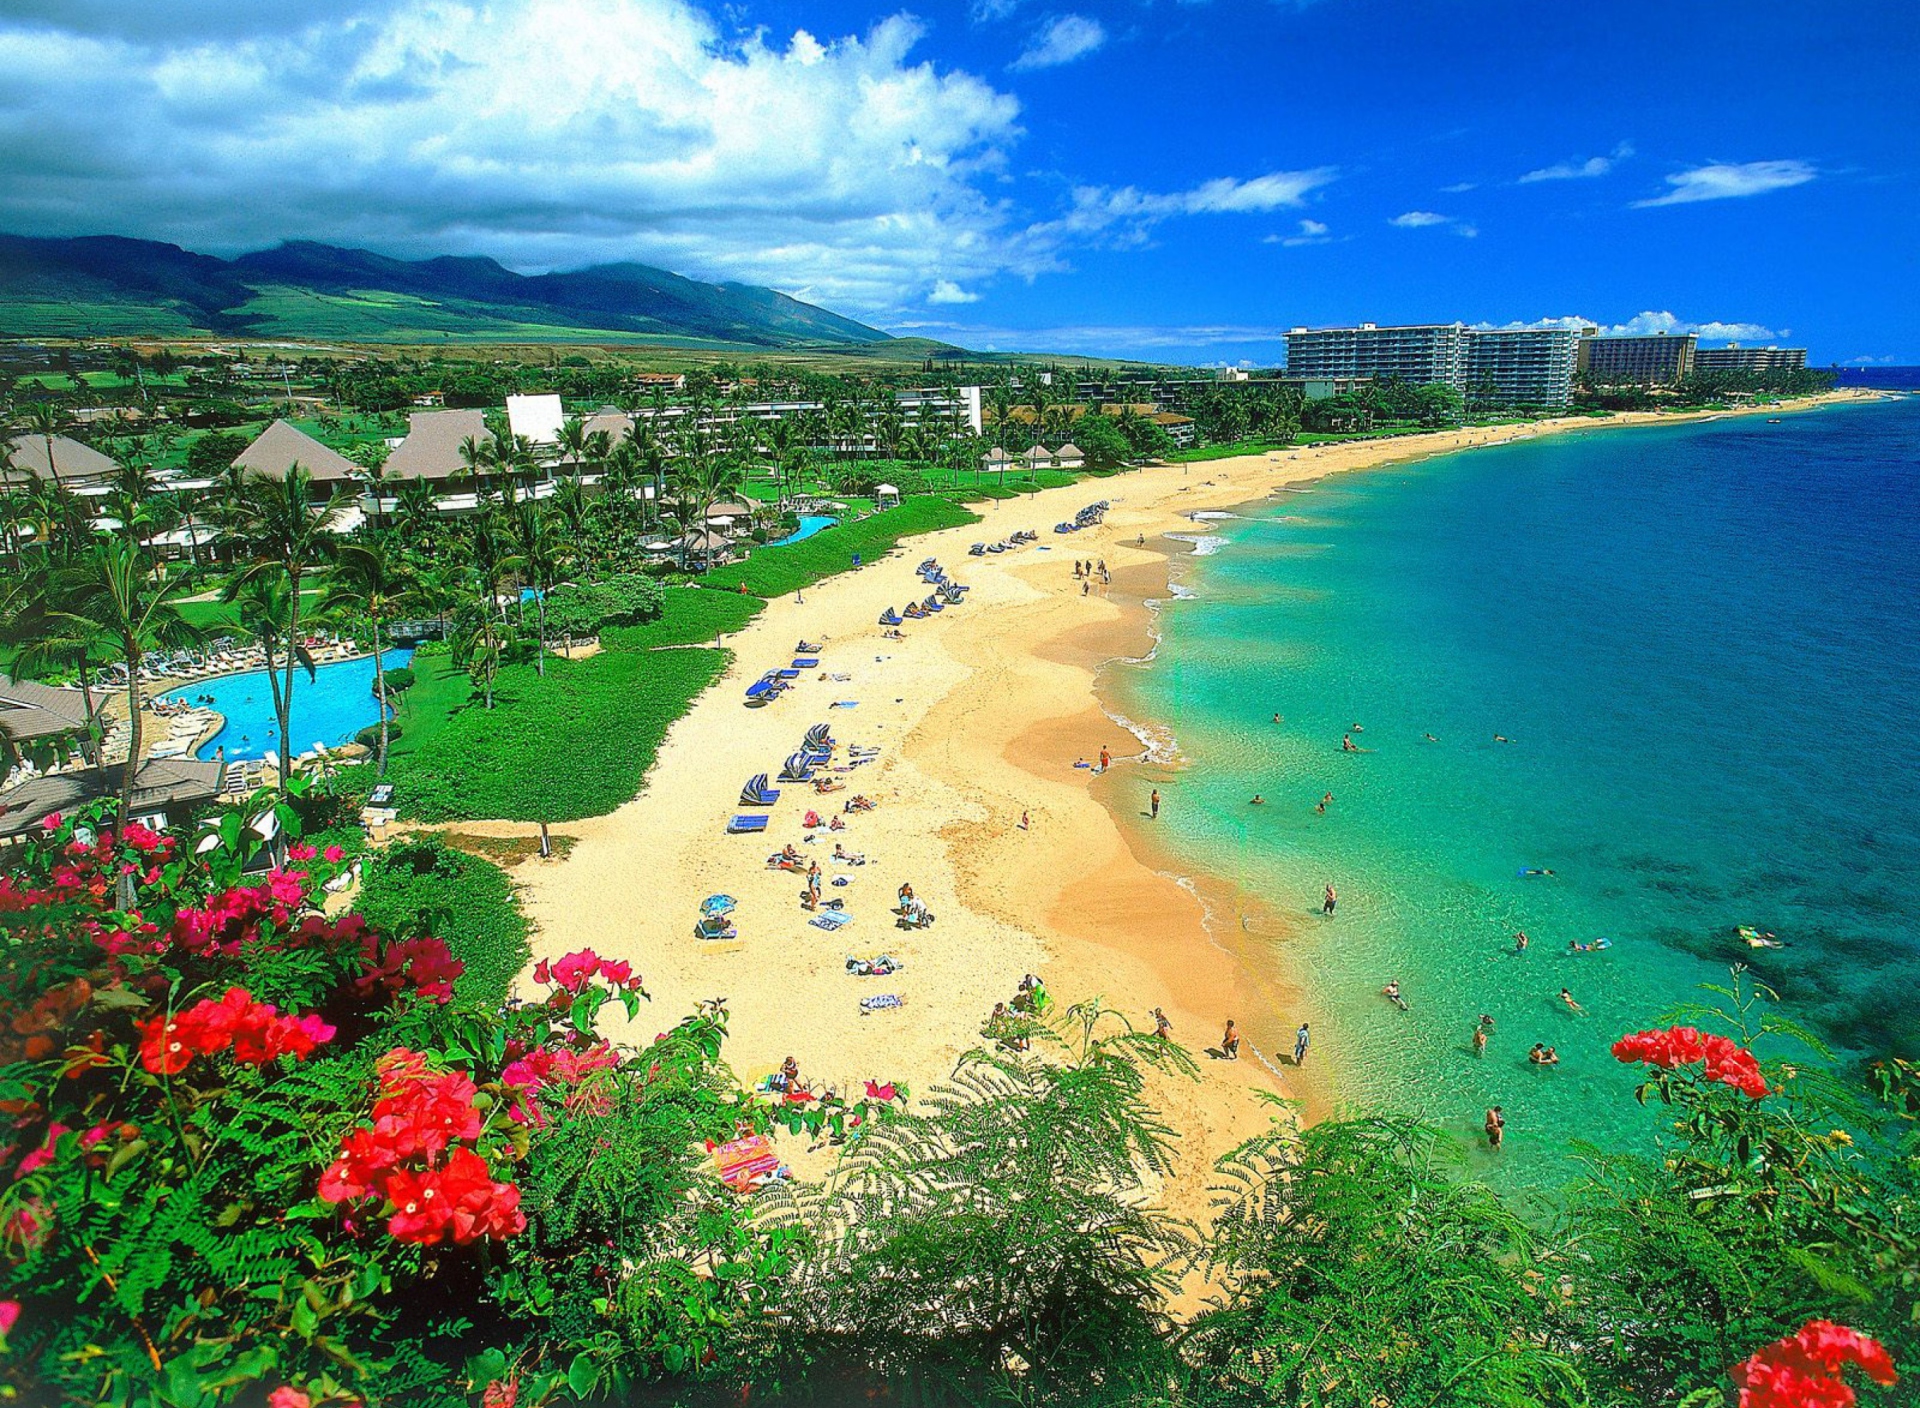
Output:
x,y
745,1164
881,1003
831,920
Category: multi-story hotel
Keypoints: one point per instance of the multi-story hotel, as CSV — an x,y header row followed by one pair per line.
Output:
x,y
1529,366
1735,358
1422,355
1523,366
1659,359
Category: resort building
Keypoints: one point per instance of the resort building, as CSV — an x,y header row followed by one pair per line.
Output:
x,y
1069,456
431,449
1423,354
1522,366
537,419
1735,358
281,446
1660,359
166,792
79,468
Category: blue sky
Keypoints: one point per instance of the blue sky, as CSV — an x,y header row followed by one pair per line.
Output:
x,y
1140,177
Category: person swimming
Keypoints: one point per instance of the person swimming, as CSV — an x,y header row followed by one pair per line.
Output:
x,y
1392,994
1346,744
1430,738
1258,801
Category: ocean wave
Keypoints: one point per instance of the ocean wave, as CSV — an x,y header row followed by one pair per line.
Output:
x,y
1212,513
1204,544
1157,740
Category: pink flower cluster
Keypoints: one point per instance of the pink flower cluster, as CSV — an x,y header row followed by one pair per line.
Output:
x,y
256,1032
539,1068
576,970
1804,1370
417,1159
1726,1061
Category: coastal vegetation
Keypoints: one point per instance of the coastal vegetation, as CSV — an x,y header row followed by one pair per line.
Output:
x,y
262,1154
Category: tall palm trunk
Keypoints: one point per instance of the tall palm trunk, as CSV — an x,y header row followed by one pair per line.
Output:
x,y
380,693
283,697
131,646
540,611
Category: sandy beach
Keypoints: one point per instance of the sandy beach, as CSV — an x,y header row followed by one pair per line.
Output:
x,y
979,715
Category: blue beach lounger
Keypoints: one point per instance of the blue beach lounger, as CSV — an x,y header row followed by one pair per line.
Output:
x,y
806,662
742,825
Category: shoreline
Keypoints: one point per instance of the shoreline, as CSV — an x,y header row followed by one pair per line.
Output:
x,y
980,714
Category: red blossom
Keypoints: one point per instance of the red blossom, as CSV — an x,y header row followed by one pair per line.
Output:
x,y
10,1316
287,1396
256,1031
333,855
1725,1061
501,1393
1804,1370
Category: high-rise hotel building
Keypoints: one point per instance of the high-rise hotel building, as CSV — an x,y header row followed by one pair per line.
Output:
x,y
1659,359
1749,359
1532,366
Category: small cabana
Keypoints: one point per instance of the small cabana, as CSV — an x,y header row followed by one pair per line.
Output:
x,y
886,496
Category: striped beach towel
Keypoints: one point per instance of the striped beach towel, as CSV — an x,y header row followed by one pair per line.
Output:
x,y
744,1164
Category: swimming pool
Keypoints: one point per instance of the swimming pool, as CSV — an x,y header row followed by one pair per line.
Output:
x,y
810,523
336,704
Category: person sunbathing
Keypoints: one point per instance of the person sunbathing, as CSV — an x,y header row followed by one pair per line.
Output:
x,y
858,803
836,825
843,854
824,785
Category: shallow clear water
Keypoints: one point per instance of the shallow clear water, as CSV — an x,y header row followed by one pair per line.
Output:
x,y
336,704
1705,644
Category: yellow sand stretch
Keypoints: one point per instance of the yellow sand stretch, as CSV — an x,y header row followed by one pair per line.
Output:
x,y
979,714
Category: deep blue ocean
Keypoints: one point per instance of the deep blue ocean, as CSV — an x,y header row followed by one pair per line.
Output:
x,y
1704,644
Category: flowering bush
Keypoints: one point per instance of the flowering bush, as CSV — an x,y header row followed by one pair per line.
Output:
x,y
1804,1370
1724,1060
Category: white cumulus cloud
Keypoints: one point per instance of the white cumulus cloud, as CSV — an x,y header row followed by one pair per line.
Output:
x,y
1061,41
1418,219
1586,170
1730,180
1311,232
947,291
1127,214
1650,322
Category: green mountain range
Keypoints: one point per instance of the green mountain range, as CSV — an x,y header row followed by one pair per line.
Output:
x,y
104,285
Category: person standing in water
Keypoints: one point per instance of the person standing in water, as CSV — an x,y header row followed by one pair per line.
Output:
x,y
1153,804
1480,1041
1302,1039
1230,1042
1329,900
1496,1126
1520,941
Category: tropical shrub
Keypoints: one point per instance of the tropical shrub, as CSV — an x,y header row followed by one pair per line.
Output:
x,y
399,680
424,886
259,1149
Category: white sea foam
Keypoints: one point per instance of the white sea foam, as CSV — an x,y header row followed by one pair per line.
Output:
x,y
1214,513
1204,544
1157,741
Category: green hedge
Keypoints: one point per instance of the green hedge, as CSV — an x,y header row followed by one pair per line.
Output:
x,y
424,886
689,617
776,571
401,680
575,744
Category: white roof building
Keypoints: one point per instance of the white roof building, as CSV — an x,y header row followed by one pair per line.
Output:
x,y
537,418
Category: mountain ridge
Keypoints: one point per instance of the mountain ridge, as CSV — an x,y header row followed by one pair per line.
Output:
x,y
96,285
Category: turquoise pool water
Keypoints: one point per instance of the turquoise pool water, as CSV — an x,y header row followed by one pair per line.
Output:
x,y
330,709
810,523
1704,643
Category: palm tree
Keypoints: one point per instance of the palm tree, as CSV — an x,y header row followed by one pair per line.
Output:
x,y
371,579
539,556
43,419
478,642
572,443
414,513
285,536
372,459
113,591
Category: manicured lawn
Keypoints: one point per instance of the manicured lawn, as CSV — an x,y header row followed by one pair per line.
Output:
x,y
690,617
775,571
575,744
441,689
425,885
220,617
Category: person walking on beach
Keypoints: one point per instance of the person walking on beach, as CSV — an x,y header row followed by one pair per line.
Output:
x,y
1230,1042
1302,1039
1496,1127
1026,822
1329,900
1153,804
1162,1028
1106,758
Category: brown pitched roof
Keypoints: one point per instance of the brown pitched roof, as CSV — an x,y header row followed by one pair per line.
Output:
x,y
160,783
29,709
78,464
432,447
281,445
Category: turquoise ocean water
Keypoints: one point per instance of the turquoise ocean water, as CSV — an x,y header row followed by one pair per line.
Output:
x,y
1705,644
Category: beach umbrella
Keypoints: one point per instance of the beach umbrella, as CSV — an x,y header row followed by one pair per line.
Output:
x,y
713,906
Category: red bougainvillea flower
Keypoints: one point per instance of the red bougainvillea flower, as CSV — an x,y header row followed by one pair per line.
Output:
x,y
1724,1060
527,1075
333,855
501,1393
1804,1370
287,1396
10,1316
256,1031
576,970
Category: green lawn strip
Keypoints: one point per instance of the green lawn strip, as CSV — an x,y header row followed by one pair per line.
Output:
x,y
776,571
441,689
421,885
575,744
690,617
